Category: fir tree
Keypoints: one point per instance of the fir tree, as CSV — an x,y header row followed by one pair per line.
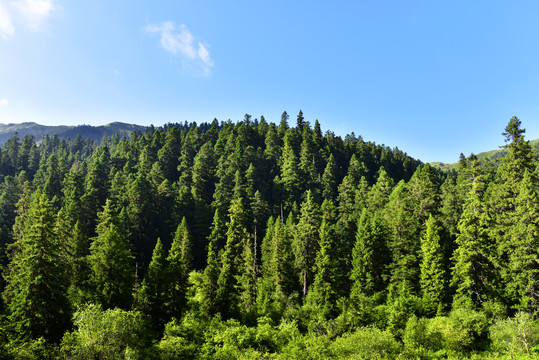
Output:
x,y
433,277
524,259
324,290
110,261
179,263
474,274
306,240
227,296
36,281
216,239
153,290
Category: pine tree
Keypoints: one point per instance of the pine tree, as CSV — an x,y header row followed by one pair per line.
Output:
x,y
179,264
524,259
474,274
204,174
306,240
216,239
227,296
325,288
404,244
503,193
78,249
369,257
36,281
329,179
290,174
152,295
248,277
433,277
110,262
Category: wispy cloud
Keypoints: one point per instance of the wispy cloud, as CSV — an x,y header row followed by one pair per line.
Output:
x,y
6,26
35,12
4,102
29,14
179,41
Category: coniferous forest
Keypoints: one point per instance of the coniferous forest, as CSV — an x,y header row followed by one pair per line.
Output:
x,y
260,240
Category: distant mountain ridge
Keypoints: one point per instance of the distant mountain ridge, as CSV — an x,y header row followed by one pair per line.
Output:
x,y
491,155
67,132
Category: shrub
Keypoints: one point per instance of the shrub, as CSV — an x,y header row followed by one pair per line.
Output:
x,y
517,335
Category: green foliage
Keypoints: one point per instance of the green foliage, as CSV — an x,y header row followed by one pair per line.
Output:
x,y
517,335
433,277
110,260
355,250
36,280
105,334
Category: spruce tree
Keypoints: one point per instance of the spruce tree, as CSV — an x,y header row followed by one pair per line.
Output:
x,y
110,260
179,264
433,277
36,278
524,259
370,256
326,284
152,294
306,240
216,239
473,273
227,296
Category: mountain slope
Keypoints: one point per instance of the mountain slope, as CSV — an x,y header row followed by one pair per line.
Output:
x,y
490,155
65,132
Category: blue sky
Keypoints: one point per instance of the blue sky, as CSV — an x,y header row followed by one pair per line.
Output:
x,y
430,77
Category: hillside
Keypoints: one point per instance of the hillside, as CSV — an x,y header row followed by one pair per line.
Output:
x,y
490,155
66,132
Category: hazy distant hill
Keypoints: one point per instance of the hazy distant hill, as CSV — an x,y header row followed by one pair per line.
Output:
x,y
65,132
491,155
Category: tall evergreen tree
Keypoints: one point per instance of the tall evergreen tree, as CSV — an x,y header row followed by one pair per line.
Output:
x,y
433,280
306,240
152,294
36,281
110,261
524,259
228,291
216,239
325,288
179,264
474,274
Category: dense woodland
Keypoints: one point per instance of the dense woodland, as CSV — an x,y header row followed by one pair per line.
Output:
x,y
257,240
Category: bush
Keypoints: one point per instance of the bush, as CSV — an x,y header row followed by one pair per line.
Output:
x,y
517,335
366,343
109,334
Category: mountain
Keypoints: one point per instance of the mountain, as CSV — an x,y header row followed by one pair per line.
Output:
x,y
66,132
492,155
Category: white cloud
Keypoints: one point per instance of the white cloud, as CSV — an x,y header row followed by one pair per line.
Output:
x,y
6,26
4,102
35,12
178,40
29,14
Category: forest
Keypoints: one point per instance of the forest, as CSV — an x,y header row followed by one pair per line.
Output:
x,y
257,240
